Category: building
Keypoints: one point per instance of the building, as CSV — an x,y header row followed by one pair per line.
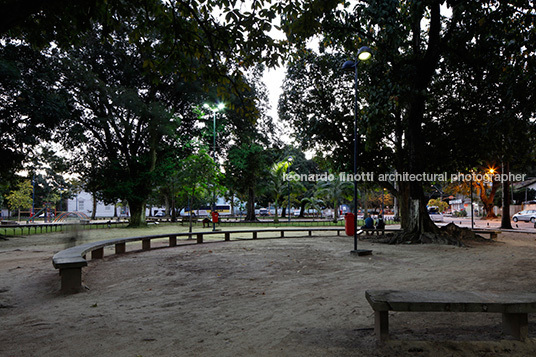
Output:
x,y
83,202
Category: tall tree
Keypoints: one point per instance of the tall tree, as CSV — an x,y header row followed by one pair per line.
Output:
x,y
414,45
245,169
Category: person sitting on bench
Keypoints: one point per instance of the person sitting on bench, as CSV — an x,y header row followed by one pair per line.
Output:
x,y
369,223
380,224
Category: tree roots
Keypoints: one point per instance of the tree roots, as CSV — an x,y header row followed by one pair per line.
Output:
x,y
449,235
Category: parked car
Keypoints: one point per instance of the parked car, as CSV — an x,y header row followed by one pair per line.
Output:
x,y
527,215
160,214
434,214
264,212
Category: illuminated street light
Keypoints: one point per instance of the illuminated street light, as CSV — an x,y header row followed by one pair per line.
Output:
x,y
214,110
363,54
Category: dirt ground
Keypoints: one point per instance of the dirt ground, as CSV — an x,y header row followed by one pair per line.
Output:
x,y
269,297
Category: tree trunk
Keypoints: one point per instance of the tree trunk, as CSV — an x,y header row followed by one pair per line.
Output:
x,y
335,211
416,223
137,214
505,219
232,204
173,210
250,205
302,210
167,205
94,208
487,200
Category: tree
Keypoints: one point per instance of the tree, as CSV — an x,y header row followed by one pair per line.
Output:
x,y
415,46
441,205
127,70
335,191
21,197
245,169
198,173
31,105
313,203
277,183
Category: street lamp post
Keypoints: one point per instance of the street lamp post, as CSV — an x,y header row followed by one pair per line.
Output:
x,y
363,54
214,110
472,208
289,160
61,189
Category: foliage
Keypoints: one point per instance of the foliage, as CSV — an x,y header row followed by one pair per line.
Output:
x,y
245,171
441,205
21,197
410,119
31,104
335,191
277,183
125,76
461,213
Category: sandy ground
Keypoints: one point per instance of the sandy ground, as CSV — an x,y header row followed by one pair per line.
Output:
x,y
269,297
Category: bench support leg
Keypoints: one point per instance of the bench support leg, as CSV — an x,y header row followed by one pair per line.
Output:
x,y
71,280
517,325
381,325
97,253
172,241
120,248
199,239
146,244
227,237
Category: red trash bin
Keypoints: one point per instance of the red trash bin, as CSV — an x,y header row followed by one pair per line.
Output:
x,y
215,217
349,224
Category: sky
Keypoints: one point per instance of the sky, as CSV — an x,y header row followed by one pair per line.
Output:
x,y
273,79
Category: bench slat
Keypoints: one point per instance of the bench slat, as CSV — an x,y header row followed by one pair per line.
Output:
x,y
458,301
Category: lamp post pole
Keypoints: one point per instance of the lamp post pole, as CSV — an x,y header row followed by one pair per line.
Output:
x,y
219,107
363,54
289,160
214,158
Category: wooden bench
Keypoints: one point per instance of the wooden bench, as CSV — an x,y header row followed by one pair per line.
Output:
x,y
186,219
513,306
492,234
371,231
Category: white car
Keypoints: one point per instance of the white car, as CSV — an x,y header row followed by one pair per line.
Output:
x,y
527,215
434,214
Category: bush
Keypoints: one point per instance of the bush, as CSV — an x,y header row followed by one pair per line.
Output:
x,y
461,213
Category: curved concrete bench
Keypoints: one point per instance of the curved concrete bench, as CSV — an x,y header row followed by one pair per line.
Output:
x,y
71,261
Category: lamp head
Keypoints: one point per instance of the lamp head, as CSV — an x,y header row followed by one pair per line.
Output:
x,y
364,53
348,66
221,106
290,158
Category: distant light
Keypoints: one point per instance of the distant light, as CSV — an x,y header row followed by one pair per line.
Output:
x,y
217,108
